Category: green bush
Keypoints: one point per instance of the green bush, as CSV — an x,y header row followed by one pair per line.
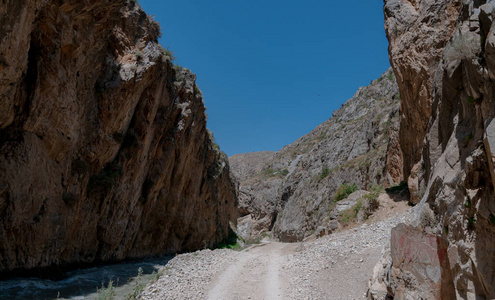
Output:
x,y
344,191
350,215
325,171
231,242
372,199
269,173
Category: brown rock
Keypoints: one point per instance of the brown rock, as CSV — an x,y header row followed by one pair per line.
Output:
x,y
104,152
417,32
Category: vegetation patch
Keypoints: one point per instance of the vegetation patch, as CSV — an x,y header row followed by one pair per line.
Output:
x,y
106,293
349,216
372,199
468,138
271,173
467,204
471,222
231,242
325,171
344,191
138,286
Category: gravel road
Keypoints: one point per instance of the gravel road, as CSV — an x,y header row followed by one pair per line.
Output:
x,y
333,267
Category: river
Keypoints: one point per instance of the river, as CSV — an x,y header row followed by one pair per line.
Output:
x,y
85,283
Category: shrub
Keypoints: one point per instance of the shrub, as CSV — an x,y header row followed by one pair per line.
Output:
x,y
168,53
467,204
350,215
269,173
325,171
197,91
138,286
471,222
372,198
344,191
106,293
231,242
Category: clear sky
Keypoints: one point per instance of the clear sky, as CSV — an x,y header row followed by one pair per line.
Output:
x,y
272,70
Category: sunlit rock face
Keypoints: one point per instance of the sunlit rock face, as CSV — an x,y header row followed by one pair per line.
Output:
x,y
292,192
444,58
104,152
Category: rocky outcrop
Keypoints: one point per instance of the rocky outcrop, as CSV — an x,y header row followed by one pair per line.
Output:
x,y
246,165
417,33
294,193
446,251
104,152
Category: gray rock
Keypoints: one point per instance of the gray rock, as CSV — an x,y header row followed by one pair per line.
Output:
x,y
350,201
446,251
358,144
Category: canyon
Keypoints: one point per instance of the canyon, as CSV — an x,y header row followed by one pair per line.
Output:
x,y
105,156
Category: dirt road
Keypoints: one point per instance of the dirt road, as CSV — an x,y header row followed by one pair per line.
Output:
x,y
334,267
255,275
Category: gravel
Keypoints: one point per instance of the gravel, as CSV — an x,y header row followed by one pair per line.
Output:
x,y
333,267
187,276
338,266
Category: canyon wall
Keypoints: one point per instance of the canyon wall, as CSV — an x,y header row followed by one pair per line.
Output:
x,y
446,49
104,151
293,194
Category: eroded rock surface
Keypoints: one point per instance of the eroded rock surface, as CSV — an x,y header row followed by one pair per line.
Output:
x,y
104,152
293,194
454,220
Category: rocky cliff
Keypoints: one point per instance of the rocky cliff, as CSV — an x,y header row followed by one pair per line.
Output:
x,y
104,152
443,53
293,195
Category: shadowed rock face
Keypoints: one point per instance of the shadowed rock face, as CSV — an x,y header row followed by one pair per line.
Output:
x,y
456,207
293,193
104,152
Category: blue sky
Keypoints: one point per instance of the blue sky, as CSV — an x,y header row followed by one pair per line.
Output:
x,y
270,71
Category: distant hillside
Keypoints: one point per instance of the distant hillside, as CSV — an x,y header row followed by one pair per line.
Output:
x,y
293,192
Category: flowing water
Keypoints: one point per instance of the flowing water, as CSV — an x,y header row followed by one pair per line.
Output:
x,y
85,283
